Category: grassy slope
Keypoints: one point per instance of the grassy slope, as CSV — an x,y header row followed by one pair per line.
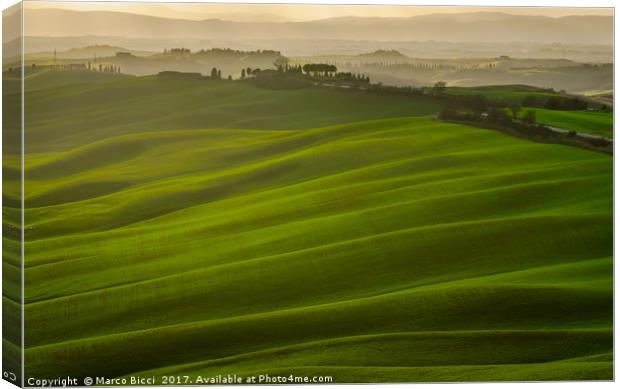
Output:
x,y
384,250
600,123
45,79
103,110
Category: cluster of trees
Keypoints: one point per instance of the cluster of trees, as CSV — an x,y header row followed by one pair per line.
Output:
x,y
504,116
319,69
492,115
479,102
322,70
101,68
280,79
478,108
477,66
177,51
439,88
298,76
559,103
353,77
217,50
216,74
294,69
476,105
596,65
500,118
227,53
394,90
443,66
247,72
417,66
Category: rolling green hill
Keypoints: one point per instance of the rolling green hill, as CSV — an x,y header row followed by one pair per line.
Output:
x,y
599,123
196,228
139,104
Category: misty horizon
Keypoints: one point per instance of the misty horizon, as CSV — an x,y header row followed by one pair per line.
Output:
x,y
306,12
487,25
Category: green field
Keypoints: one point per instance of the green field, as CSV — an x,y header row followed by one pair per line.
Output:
x,y
177,227
135,105
505,93
591,122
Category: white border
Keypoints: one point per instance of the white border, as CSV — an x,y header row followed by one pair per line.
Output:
x,y
489,3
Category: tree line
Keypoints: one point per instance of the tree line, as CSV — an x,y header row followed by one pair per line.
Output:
x,y
66,67
559,103
407,65
319,69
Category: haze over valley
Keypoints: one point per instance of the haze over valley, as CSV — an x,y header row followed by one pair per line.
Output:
x,y
485,47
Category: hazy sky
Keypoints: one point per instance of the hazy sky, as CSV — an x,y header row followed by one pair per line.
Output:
x,y
282,12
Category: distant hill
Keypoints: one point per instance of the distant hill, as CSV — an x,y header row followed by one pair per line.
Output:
x,y
90,51
230,62
470,27
249,17
390,55
102,50
559,74
599,53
